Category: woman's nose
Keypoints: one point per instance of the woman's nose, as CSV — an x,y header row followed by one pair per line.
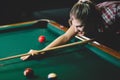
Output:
x,y
80,29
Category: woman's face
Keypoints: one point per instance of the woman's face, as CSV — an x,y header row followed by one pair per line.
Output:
x,y
78,25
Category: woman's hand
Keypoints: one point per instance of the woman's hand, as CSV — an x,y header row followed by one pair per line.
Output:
x,y
32,53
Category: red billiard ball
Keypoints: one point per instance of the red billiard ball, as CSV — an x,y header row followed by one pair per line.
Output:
x,y
41,39
28,72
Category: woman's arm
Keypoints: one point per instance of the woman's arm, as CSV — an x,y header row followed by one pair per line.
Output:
x,y
63,38
59,41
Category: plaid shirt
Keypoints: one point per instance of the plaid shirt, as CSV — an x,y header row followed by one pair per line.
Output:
x,y
110,12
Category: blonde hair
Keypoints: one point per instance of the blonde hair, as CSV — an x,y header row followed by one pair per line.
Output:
x,y
80,1
82,9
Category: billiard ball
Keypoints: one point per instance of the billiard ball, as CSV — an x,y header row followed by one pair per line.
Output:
x,y
41,39
52,76
28,72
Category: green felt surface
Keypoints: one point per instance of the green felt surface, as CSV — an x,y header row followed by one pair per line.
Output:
x,y
72,63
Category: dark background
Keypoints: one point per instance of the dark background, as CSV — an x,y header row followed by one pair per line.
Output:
x,y
13,11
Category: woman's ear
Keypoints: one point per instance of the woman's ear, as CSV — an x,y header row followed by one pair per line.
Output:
x,y
70,22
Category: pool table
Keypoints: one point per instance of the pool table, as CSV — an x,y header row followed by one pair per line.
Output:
x,y
79,62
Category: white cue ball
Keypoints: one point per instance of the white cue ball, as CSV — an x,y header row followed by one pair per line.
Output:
x,y
52,75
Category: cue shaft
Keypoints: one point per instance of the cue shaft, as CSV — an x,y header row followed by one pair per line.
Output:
x,y
50,49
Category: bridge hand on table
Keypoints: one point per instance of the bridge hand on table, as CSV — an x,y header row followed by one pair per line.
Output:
x,y
31,52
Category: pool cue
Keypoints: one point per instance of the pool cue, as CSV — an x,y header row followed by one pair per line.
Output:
x,y
49,49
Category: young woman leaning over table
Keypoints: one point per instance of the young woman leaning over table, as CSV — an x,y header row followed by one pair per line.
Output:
x,y
101,21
